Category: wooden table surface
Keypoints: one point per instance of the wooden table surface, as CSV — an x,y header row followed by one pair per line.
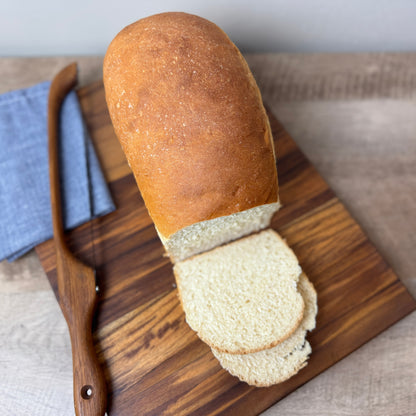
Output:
x,y
354,115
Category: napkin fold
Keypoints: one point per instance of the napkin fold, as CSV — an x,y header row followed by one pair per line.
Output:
x,y
25,214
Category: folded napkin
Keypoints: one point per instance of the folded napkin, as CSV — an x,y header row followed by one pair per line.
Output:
x,y
25,214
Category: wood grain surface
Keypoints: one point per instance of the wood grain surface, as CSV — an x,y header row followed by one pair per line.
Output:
x,y
154,362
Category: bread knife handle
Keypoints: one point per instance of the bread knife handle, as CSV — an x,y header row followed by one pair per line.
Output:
x,y
77,298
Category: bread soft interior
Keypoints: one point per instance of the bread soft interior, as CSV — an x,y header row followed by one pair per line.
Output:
x,y
205,235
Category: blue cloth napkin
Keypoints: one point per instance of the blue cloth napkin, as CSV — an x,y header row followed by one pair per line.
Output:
x,y
25,214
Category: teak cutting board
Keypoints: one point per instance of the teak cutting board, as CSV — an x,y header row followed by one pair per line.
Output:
x,y
154,363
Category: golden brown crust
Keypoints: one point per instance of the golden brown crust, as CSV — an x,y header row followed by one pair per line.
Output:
x,y
190,119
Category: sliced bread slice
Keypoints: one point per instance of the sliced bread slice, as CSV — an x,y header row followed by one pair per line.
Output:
x,y
281,362
242,297
268,368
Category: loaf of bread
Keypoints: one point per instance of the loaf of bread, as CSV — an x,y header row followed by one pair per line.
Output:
x,y
190,119
189,116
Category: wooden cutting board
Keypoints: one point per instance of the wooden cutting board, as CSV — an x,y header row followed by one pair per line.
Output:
x,y
154,363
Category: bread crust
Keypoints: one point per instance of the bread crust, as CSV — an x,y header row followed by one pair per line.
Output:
x,y
190,118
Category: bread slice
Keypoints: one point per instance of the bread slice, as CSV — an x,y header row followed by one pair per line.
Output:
x,y
281,362
242,297
267,368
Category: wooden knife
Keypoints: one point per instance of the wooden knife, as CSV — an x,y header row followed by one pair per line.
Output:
x,y
76,281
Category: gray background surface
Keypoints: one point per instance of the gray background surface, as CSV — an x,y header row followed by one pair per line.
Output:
x,y
50,27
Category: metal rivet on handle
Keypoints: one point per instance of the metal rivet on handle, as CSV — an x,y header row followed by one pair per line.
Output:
x,y
86,392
